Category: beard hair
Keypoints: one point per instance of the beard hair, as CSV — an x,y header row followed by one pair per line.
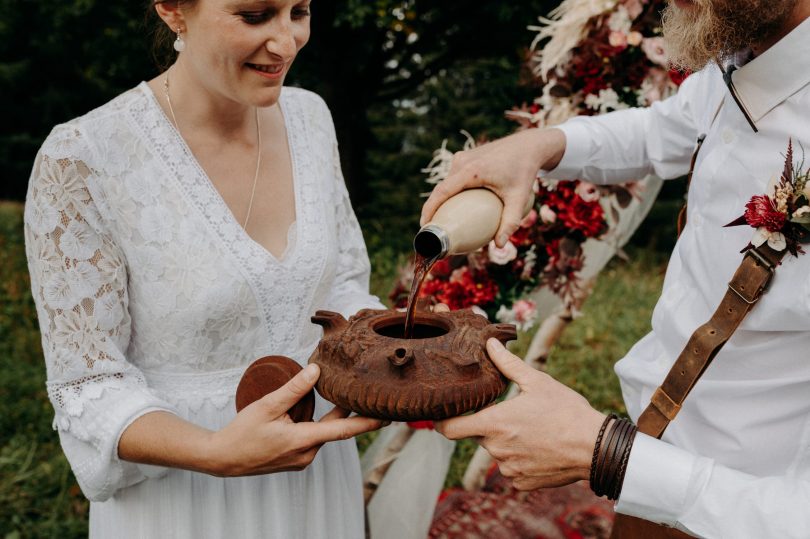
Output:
x,y
715,29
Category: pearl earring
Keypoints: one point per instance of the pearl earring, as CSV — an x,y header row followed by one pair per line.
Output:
x,y
179,44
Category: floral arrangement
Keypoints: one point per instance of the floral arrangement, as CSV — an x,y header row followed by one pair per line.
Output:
x,y
783,219
597,56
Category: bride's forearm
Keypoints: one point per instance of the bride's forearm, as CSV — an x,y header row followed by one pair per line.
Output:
x,y
164,439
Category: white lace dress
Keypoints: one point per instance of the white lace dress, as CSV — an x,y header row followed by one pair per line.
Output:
x,y
151,296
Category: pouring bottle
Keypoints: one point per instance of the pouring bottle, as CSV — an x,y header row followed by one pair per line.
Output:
x,y
463,223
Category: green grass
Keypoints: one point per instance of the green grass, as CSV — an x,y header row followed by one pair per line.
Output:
x,y
38,493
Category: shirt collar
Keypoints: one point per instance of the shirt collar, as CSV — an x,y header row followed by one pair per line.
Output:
x,y
776,74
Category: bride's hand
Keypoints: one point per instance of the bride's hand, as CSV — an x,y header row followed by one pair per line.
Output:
x,y
263,439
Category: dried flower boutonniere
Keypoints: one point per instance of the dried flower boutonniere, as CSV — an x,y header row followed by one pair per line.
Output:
x,y
783,218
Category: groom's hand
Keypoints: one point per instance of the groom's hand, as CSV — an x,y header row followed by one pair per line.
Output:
x,y
544,437
507,167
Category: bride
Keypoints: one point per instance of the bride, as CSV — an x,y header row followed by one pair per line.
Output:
x,y
174,235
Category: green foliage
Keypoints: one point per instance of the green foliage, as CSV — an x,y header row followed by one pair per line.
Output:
x,y
58,60
38,494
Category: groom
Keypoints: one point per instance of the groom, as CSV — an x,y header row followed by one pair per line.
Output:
x,y
735,462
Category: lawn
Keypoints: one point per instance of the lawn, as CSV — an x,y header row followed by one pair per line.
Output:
x,y
38,493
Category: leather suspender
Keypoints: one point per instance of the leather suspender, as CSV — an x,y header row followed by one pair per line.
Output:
x,y
744,290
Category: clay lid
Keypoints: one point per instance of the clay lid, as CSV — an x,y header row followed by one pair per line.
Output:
x,y
368,368
266,375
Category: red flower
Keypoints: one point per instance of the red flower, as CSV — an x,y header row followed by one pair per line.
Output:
x,y
575,213
678,77
761,211
522,237
463,290
585,216
421,425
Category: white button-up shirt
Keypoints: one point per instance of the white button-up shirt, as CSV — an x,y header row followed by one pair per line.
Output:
x,y
736,460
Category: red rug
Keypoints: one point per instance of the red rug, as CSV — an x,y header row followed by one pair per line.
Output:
x,y
500,512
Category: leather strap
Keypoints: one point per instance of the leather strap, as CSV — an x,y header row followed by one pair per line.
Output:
x,y
627,527
744,290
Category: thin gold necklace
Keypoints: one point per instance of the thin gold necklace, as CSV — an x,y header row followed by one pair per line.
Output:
x,y
258,147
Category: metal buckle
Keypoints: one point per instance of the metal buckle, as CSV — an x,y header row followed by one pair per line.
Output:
x,y
762,261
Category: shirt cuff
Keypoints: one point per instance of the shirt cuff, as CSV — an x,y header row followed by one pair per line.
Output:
x,y
656,482
577,150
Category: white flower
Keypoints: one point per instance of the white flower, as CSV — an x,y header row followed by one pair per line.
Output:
x,y
606,101
776,240
634,39
65,289
547,215
79,241
587,191
617,39
655,87
148,264
73,330
522,314
84,280
108,311
157,224
502,255
41,216
620,21
57,292
655,50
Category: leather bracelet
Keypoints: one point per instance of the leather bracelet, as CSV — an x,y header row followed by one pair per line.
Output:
x,y
613,464
607,448
623,468
611,455
598,445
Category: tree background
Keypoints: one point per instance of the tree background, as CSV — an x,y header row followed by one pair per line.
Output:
x,y
398,75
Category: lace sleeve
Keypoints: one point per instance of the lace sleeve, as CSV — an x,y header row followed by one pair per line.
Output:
x,y
79,284
351,290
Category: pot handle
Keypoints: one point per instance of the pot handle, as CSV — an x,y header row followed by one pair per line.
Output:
x,y
502,332
330,321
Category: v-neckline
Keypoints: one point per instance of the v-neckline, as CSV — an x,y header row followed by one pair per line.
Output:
x,y
289,252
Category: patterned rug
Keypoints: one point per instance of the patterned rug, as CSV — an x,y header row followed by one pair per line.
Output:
x,y
498,511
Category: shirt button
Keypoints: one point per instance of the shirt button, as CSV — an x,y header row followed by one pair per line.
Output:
x,y
728,135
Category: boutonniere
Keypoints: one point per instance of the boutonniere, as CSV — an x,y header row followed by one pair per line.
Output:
x,y
782,219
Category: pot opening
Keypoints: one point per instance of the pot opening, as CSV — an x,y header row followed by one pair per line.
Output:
x,y
420,331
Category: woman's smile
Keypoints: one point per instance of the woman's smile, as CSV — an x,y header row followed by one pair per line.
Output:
x,y
270,71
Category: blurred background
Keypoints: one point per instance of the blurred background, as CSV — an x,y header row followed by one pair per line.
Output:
x,y
400,77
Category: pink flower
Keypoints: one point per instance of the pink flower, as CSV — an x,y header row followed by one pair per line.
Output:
x,y
617,39
634,8
547,215
655,86
530,219
502,255
521,314
587,191
524,310
654,48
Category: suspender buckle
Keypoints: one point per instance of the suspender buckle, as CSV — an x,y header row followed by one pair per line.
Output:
x,y
752,296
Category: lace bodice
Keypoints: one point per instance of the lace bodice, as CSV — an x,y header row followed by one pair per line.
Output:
x,y
150,294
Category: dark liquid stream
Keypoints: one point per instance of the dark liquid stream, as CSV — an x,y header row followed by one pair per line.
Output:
x,y
422,266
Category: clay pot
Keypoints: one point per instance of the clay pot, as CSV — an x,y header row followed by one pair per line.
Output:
x,y
368,368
